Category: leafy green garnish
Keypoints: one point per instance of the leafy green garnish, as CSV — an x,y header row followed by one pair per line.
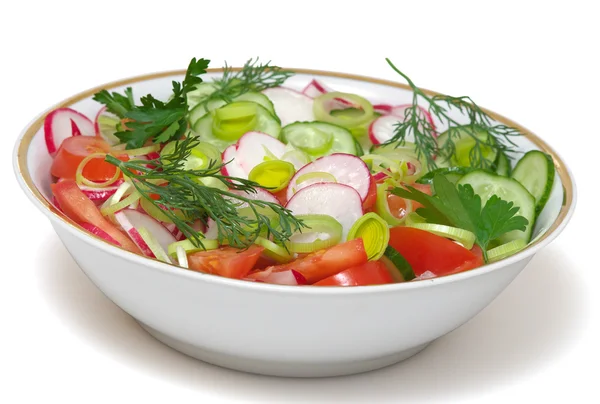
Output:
x,y
461,207
253,76
178,189
154,120
417,124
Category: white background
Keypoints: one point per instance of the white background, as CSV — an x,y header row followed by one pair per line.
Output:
x,y
61,339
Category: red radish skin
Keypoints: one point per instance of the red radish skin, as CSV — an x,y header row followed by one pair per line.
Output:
x,y
382,129
231,167
290,105
100,233
339,201
346,168
316,88
63,123
133,234
100,194
383,109
289,277
131,220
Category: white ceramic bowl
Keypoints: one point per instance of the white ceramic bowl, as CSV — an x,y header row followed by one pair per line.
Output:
x,y
283,330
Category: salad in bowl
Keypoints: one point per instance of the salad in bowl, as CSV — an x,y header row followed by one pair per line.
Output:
x,y
210,201
245,178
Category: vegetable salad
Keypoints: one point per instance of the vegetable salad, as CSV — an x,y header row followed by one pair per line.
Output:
x,y
245,178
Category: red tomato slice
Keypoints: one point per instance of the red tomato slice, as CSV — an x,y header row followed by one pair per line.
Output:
x,y
74,149
226,261
371,273
324,263
426,251
79,208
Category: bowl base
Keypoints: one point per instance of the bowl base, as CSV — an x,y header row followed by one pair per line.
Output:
x,y
282,369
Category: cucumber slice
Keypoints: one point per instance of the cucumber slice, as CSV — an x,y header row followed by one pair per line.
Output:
x,y
398,266
265,122
486,184
536,172
452,174
199,93
311,138
464,143
502,164
200,110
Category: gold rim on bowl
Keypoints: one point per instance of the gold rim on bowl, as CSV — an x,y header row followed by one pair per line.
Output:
x,y
25,141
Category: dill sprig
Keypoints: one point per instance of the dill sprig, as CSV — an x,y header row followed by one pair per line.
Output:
x,y
416,123
253,76
178,189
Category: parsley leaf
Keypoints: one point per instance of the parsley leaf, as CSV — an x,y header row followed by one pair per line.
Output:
x,y
461,207
154,120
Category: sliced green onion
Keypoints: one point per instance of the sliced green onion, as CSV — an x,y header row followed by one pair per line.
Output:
x,y
414,218
464,237
506,250
321,176
276,252
142,151
154,245
115,207
80,179
231,121
297,157
157,213
398,266
380,163
273,174
182,257
374,232
213,182
201,155
382,206
314,141
323,232
190,248
322,110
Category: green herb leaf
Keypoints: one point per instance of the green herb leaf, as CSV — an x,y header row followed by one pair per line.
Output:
x,y
178,189
417,124
461,207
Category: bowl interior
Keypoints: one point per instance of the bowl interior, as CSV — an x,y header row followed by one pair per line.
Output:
x,y
34,161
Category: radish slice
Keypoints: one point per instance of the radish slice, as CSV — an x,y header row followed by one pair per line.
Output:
x,y
257,147
103,130
290,277
232,167
212,230
339,201
131,220
345,168
97,194
383,109
100,233
315,88
290,105
382,129
63,123
259,195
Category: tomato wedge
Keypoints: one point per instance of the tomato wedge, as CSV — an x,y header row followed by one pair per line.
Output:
x,y
79,208
426,251
226,261
324,263
74,149
371,273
